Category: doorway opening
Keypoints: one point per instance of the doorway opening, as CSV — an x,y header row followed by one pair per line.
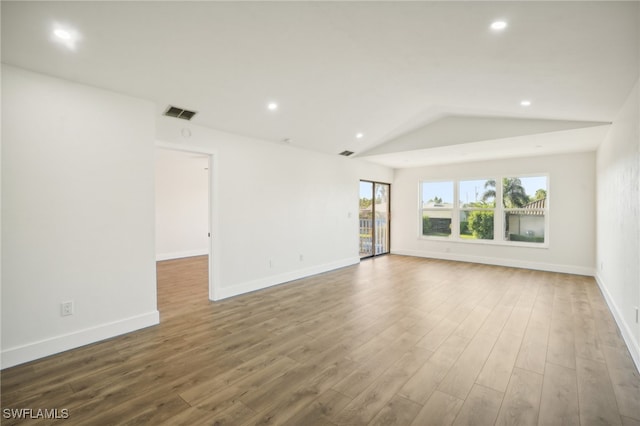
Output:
x,y
183,227
374,217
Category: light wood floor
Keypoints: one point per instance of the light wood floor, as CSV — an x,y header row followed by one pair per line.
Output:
x,y
394,340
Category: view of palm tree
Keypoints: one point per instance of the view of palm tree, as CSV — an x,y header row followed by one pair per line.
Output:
x,y
513,193
540,194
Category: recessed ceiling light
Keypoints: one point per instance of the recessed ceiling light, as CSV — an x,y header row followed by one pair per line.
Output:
x,y
272,106
498,25
525,103
62,34
65,35
359,135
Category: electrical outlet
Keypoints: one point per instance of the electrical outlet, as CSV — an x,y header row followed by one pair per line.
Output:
x,y
636,314
66,308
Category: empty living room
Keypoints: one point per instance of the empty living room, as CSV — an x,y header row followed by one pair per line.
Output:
x,y
320,213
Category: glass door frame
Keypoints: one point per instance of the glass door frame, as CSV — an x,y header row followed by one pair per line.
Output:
x,y
387,242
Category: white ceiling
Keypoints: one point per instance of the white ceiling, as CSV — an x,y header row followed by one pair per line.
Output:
x,y
386,69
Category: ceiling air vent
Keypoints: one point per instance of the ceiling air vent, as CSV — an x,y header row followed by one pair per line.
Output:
x,y
346,153
179,113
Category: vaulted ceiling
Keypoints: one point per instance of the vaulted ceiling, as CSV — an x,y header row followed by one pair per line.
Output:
x,y
422,82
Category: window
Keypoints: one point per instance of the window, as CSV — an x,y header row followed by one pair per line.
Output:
x,y
477,205
525,208
437,208
469,210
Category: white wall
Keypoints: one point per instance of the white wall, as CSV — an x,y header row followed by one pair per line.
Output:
x,y
182,204
77,212
571,232
618,219
279,212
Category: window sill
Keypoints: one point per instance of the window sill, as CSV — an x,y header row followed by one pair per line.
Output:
x,y
544,245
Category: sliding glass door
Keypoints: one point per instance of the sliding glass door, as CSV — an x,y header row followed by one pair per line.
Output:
x,y
374,218
381,208
366,216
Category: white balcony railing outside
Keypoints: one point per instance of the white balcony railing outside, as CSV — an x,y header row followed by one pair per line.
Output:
x,y
381,237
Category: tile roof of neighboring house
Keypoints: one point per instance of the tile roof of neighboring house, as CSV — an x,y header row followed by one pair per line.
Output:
x,y
537,204
533,208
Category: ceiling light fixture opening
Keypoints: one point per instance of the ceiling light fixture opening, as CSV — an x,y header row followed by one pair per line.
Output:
x,y
359,135
272,106
62,34
65,35
525,103
498,25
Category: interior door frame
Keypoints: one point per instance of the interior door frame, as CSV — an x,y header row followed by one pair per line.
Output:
x,y
373,219
213,214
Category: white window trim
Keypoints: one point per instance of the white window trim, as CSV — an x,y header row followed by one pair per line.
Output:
x,y
498,214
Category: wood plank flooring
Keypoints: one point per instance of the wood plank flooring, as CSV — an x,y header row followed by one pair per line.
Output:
x,y
393,341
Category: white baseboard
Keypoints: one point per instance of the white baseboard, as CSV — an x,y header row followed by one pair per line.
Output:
x,y
181,254
64,342
539,266
625,330
238,289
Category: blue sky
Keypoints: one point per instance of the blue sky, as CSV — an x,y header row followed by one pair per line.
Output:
x,y
365,189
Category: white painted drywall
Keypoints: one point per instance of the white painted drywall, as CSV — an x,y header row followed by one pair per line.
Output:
x,y
280,212
182,204
571,233
618,219
77,211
